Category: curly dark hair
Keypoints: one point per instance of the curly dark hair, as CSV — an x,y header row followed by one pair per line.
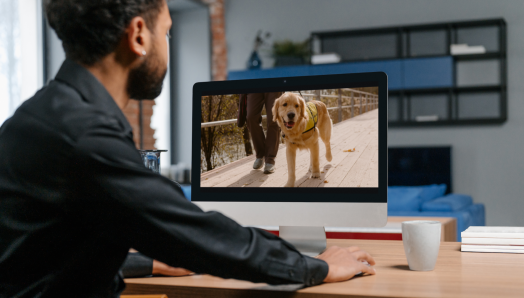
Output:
x,y
91,29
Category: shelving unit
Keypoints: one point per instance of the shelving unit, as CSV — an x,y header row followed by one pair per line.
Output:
x,y
471,90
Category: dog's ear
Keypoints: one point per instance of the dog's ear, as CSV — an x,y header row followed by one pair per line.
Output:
x,y
303,108
274,110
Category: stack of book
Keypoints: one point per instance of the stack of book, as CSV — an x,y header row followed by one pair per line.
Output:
x,y
493,239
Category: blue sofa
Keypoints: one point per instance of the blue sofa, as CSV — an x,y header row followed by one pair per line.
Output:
x,y
430,201
187,191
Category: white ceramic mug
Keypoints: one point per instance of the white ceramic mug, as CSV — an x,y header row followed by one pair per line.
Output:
x,y
421,243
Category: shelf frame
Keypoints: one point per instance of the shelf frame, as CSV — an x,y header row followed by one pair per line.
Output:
x,y
403,51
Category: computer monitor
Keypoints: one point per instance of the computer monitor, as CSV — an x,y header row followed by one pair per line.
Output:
x,y
339,160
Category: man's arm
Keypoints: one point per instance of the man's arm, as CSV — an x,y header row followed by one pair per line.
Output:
x,y
146,211
138,265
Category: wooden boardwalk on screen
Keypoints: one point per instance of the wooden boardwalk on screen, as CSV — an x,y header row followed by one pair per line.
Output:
x,y
347,169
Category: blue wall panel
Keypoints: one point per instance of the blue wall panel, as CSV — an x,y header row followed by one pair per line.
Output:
x,y
277,72
428,72
391,67
402,73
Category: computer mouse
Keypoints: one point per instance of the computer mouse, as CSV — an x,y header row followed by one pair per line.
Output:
x,y
361,273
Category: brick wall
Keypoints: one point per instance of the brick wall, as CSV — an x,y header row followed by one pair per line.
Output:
x,y
218,39
132,113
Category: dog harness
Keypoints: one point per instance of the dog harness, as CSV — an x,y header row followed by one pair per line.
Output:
x,y
313,118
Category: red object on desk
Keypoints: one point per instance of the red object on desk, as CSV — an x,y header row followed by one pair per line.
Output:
x,y
351,235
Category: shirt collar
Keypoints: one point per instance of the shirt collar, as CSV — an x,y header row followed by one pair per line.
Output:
x,y
91,89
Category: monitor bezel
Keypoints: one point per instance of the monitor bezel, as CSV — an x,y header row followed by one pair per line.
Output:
x,y
297,194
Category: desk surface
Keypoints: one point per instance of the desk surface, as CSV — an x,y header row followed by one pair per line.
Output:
x,y
457,274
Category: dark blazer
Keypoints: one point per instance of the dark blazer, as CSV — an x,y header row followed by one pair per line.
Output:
x,y
137,265
75,196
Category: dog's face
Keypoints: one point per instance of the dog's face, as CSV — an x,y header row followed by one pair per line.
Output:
x,y
288,110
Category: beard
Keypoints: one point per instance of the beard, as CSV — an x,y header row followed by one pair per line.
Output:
x,y
146,80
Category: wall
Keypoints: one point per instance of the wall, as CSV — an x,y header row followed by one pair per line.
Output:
x,y
190,53
487,160
55,53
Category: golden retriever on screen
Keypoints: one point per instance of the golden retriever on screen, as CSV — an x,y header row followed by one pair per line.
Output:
x,y
292,114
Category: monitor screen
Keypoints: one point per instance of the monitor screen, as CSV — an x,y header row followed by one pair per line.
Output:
x,y
301,140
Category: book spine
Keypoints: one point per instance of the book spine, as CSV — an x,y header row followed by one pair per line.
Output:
x,y
493,241
492,235
475,246
517,251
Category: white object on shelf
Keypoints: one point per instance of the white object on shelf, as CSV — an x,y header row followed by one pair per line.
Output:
x,y
325,58
465,49
426,118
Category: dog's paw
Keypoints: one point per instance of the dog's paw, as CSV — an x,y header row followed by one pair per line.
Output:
x,y
315,175
329,157
290,184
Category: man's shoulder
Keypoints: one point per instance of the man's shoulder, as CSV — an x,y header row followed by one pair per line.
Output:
x,y
63,109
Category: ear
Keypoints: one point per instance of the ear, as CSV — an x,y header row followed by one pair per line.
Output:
x,y
274,110
138,36
303,107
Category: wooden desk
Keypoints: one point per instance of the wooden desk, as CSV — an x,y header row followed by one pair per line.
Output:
x,y
457,274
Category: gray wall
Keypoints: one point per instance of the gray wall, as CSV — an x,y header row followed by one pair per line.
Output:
x,y
55,53
191,57
488,161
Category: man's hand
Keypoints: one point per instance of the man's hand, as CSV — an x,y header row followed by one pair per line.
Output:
x,y
160,268
344,263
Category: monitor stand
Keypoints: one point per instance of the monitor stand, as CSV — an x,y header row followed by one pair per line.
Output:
x,y
310,241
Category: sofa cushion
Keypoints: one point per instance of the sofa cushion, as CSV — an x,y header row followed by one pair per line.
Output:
x,y
186,189
404,199
429,192
433,191
449,203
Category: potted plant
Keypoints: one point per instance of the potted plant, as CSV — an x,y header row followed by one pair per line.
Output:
x,y
287,52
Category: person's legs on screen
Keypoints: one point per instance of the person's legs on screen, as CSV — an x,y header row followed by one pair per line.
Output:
x,y
273,131
255,103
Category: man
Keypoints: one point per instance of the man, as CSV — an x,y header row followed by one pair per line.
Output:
x,y
75,196
266,147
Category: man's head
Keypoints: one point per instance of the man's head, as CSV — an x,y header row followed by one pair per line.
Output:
x,y
132,31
